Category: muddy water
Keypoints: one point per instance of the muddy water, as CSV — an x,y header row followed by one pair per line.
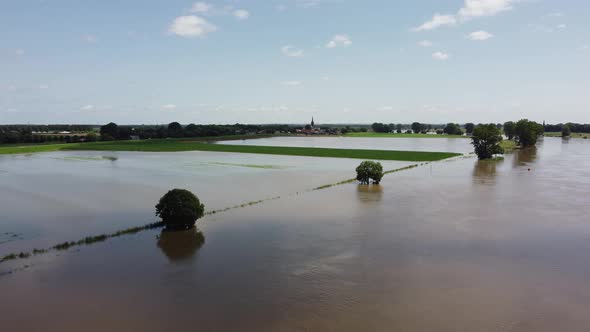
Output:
x,y
50,198
460,145
453,246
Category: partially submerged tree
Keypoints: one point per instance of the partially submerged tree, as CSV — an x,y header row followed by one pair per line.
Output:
x,y
510,129
369,170
486,141
527,132
179,209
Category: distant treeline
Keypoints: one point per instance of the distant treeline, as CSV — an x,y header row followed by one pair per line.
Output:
x,y
574,127
10,134
112,131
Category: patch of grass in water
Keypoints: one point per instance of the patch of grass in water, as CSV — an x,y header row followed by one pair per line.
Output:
x,y
250,165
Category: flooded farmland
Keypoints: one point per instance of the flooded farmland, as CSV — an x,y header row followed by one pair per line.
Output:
x,y
456,245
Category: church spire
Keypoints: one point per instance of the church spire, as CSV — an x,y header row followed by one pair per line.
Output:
x,y
312,122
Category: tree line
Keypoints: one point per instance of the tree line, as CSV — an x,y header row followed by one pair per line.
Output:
x,y
486,138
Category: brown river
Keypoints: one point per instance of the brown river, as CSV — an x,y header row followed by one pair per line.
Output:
x,y
457,245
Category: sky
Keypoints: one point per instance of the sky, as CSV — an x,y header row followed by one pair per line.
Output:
x,y
284,61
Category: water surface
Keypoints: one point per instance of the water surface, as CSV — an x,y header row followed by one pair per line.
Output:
x,y
456,245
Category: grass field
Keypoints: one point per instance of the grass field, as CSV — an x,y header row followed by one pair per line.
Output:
x,y
573,135
403,135
187,145
508,145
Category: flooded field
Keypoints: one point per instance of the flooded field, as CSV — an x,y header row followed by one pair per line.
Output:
x,y
49,198
457,245
459,145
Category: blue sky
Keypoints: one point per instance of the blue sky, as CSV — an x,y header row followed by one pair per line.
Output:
x,y
284,61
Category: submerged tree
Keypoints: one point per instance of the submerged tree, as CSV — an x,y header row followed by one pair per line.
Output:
x,y
486,141
369,170
527,132
510,129
179,209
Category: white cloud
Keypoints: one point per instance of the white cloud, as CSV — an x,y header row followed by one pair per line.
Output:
x,y
291,83
480,35
562,26
241,14
43,86
339,40
169,106
470,10
584,47
87,108
425,43
19,51
440,56
201,7
89,39
437,21
191,26
292,51
479,8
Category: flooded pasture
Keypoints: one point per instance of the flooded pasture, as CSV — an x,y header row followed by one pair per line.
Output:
x,y
458,145
457,245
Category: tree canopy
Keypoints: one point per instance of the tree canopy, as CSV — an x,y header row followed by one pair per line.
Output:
x,y
453,129
179,208
527,132
369,170
486,140
510,129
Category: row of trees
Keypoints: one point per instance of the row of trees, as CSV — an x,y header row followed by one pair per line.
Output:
x,y
487,138
525,132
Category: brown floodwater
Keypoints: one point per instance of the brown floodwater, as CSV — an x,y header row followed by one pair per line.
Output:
x,y
457,245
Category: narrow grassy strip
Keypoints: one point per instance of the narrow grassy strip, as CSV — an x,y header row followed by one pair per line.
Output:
x,y
176,146
401,135
85,241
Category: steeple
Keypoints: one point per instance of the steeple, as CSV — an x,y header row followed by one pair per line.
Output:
x,y
312,122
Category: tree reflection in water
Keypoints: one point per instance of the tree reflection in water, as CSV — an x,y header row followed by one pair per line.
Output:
x,y
180,245
369,193
523,157
484,171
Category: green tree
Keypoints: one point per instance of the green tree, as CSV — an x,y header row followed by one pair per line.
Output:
x,y
179,209
469,128
527,132
109,132
175,130
486,141
453,129
91,137
416,127
566,131
369,170
510,129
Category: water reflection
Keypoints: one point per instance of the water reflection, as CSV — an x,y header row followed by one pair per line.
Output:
x,y
369,192
526,156
180,245
484,171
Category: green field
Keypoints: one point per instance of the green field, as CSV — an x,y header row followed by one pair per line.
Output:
x,y
202,144
508,145
169,145
403,135
573,135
